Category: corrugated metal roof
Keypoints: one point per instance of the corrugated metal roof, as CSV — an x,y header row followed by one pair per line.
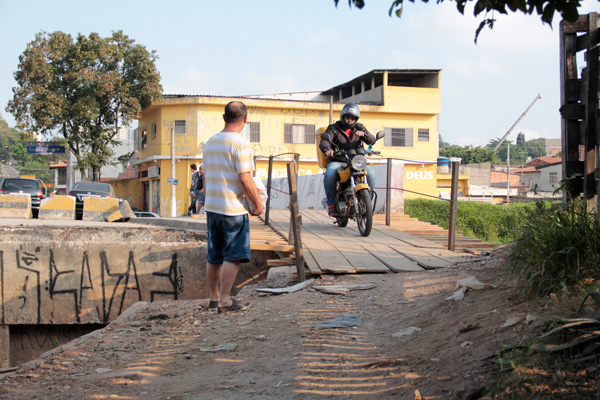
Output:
x,y
254,97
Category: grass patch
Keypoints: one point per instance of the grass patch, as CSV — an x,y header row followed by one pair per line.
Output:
x,y
557,259
558,249
488,222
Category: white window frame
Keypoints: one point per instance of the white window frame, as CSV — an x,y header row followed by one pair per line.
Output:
x,y
398,137
180,126
299,134
144,139
251,132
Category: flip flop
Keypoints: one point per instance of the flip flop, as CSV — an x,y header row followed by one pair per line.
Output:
x,y
213,304
235,306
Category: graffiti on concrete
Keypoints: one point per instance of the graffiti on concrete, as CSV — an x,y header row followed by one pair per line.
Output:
x,y
175,278
46,285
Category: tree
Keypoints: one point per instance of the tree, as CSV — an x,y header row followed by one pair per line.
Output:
x,y
469,154
520,152
441,142
85,89
13,151
544,8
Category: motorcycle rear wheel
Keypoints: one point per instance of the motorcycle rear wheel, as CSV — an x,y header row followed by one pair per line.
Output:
x,y
364,218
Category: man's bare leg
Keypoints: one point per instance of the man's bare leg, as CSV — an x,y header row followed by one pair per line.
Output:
x,y
213,273
229,272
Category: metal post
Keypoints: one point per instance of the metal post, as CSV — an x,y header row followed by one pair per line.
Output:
x,y
388,194
269,180
453,205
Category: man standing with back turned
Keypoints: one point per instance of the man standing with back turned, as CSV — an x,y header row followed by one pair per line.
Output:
x,y
228,167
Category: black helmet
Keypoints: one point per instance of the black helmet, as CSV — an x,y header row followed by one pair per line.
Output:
x,y
352,110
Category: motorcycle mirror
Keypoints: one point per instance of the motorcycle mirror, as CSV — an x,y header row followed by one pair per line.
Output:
x,y
380,134
326,136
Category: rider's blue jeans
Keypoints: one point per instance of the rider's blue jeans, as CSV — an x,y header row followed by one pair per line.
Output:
x,y
331,177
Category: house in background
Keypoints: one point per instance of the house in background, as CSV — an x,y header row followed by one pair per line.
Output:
x,y
553,147
403,103
126,146
60,177
541,175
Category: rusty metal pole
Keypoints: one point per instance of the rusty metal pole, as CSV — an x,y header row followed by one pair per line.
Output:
x,y
269,181
388,194
453,205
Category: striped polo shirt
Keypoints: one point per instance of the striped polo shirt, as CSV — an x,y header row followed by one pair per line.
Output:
x,y
226,154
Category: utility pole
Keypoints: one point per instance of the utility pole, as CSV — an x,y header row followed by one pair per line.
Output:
x,y
508,173
539,96
173,196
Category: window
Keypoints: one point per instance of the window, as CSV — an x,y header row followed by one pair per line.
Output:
x,y
144,139
251,131
423,135
153,130
553,178
299,134
180,126
398,137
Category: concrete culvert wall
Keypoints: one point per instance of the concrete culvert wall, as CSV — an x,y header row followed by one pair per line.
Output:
x,y
78,278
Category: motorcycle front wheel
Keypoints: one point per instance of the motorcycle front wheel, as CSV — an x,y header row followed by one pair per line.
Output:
x,y
364,218
342,222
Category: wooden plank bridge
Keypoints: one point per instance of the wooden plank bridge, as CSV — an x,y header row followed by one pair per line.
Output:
x,y
406,245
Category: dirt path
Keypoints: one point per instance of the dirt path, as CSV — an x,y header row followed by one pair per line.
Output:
x,y
178,350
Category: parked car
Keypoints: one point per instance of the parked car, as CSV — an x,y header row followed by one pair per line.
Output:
x,y
81,190
21,185
145,214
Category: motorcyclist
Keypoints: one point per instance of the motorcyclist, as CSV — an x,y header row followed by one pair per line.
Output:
x,y
346,134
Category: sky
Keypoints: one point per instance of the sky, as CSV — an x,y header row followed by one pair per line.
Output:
x,y
234,47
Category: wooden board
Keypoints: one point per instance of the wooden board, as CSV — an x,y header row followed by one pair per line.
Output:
x,y
279,220
394,260
350,249
419,256
329,248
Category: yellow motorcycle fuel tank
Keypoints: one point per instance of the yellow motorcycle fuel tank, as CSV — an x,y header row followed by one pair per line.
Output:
x,y
344,173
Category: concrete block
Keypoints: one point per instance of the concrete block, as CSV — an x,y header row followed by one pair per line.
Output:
x,y
4,347
91,282
124,211
278,277
98,208
57,207
15,205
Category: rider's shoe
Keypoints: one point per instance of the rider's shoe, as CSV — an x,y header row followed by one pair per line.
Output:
x,y
331,210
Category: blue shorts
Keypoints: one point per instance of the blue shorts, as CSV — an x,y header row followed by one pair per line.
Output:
x,y
228,238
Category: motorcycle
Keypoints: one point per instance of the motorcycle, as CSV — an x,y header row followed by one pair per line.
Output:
x,y
353,197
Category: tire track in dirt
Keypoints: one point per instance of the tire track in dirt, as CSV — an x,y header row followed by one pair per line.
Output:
x,y
343,361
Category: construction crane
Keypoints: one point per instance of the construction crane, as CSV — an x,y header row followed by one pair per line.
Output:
x,y
539,96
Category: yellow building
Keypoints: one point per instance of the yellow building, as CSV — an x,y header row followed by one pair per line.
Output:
x,y
404,103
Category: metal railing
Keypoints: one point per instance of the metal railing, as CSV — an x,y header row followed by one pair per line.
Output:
x,y
455,163
269,179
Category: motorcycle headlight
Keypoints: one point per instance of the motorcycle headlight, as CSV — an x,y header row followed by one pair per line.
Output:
x,y
359,162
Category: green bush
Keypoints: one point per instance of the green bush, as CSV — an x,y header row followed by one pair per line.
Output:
x,y
558,249
488,222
